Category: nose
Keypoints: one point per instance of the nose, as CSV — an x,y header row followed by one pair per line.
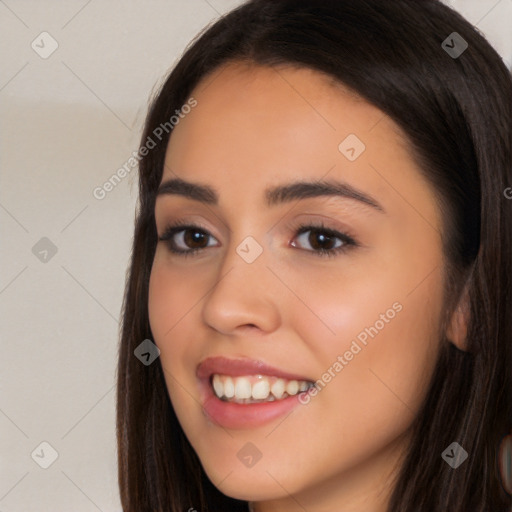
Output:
x,y
244,295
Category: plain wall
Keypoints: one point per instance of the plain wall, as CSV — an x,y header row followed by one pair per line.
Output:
x,y
68,123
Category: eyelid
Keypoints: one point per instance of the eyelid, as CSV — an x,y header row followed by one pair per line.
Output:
x,y
187,223
321,222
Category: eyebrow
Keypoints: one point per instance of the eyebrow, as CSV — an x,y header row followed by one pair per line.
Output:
x,y
273,196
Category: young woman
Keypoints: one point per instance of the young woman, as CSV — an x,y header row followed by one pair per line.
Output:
x,y
322,255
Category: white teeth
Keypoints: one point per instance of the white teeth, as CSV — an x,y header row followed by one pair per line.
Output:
x,y
261,389
229,388
278,388
292,388
242,388
303,386
256,388
217,385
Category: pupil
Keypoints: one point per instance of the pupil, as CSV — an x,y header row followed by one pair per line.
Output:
x,y
196,237
323,240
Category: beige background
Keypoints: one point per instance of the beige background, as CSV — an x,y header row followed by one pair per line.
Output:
x,y
68,122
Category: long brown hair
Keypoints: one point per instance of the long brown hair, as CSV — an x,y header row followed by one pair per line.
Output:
x,y
456,112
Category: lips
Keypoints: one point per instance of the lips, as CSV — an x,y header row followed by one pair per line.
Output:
x,y
234,403
240,367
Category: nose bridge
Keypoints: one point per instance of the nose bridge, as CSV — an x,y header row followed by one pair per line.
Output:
x,y
247,250
242,294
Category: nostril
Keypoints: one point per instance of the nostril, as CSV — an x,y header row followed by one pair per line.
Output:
x,y
251,326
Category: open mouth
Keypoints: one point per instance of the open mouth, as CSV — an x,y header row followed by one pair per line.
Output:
x,y
252,389
243,393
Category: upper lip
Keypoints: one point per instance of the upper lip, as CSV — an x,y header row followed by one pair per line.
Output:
x,y
241,366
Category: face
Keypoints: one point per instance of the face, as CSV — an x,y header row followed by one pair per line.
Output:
x,y
314,310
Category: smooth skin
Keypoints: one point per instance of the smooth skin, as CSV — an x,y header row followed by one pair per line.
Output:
x,y
257,127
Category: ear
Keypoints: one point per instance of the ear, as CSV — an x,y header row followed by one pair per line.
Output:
x,y
457,329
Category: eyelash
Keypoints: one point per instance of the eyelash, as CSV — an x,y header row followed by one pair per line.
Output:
x,y
177,227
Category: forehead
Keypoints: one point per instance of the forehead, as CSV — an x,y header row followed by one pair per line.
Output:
x,y
273,106
254,127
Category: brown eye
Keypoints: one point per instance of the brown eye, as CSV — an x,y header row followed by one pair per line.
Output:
x,y
193,238
319,240
186,239
323,241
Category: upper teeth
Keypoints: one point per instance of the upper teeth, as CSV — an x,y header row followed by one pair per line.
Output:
x,y
248,388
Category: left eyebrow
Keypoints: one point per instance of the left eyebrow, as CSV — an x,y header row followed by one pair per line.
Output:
x,y
273,196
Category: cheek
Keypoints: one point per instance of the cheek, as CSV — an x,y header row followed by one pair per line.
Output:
x,y
172,300
374,343
378,331
172,296
163,303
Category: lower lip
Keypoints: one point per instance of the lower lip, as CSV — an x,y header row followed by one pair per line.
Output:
x,y
245,416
